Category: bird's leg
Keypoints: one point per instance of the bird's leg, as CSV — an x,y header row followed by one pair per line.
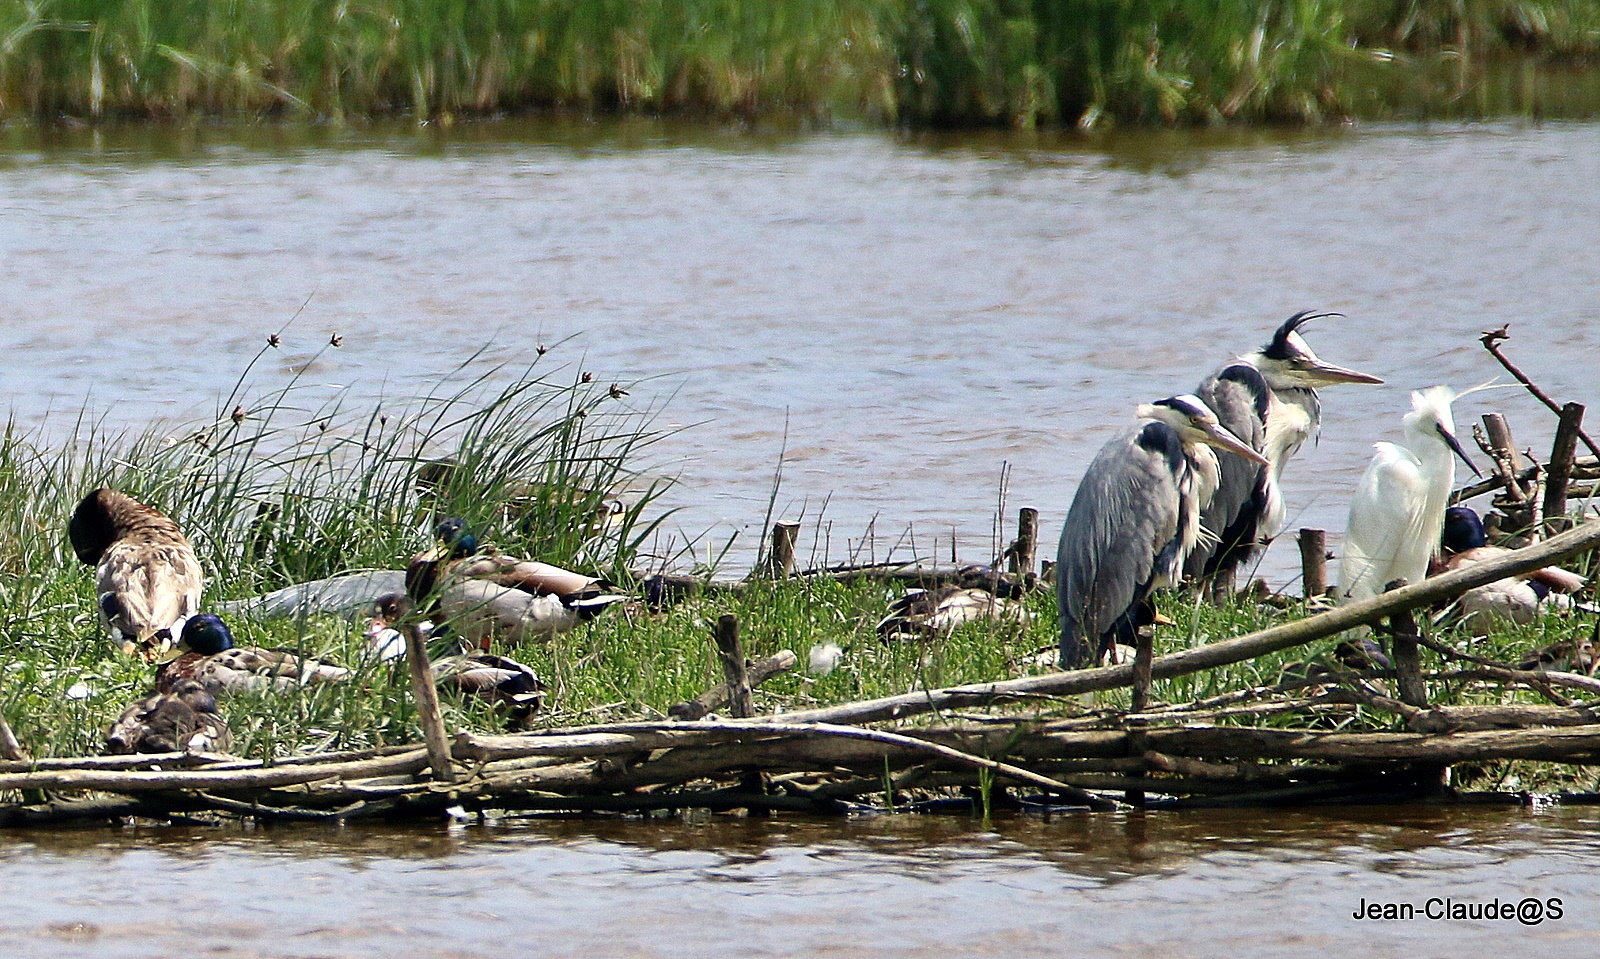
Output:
x,y
1222,586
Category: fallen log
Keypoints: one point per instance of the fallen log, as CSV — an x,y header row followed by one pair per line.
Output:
x,y
138,781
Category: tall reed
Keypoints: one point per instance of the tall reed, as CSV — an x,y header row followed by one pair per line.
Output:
x,y
919,62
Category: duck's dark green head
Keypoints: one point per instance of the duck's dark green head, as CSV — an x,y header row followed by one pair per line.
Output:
x,y
453,533
207,634
1463,530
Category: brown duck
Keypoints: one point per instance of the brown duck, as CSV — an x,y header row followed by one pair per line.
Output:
x,y
146,575
183,720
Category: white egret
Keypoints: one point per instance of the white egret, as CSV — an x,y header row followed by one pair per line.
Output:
x,y
1398,510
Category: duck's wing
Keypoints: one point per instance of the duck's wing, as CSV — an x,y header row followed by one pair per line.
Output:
x,y
480,610
530,576
1558,579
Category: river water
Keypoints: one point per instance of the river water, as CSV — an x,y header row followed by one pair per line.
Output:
x,y
903,320
1157,885
900,321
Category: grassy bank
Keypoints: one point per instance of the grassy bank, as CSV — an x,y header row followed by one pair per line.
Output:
x,y
286,491
918,62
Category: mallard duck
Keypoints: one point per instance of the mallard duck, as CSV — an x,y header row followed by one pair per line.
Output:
x,y
146,574
1362,653
483,594
497,679
1516,599
1570,656
184,719
219,666
922,613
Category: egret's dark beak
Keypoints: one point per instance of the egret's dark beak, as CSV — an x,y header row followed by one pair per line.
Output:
x,y
1455,444
1217,435
1326,374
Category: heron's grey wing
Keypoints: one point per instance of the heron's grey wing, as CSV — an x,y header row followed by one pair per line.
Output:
x,y
1241,399
1119,532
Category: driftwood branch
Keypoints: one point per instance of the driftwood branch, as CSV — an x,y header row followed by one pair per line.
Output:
x,y
1491,341
1560,467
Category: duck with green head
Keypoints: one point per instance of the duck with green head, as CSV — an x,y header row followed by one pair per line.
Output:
x,y
211,659
483,593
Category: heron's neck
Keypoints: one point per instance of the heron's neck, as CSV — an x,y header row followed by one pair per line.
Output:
x,y
1295,418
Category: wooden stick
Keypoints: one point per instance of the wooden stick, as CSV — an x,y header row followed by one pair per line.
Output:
x,y
427,697
1407,657
717,696
690,765
1559,470
1143,654
734,672
783,537
1287,635
1313,563
10,748
136,781
1024,550
1496,442
1491,341
1583,467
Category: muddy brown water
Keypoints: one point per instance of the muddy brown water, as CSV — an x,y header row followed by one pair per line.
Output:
x,y
907,318
1238,883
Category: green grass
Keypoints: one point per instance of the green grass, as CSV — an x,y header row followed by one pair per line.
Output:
x,y
918,62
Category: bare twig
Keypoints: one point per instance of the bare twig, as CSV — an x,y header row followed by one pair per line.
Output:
x,y
1491,340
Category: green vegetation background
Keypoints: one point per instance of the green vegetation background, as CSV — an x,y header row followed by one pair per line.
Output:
x,y
916,62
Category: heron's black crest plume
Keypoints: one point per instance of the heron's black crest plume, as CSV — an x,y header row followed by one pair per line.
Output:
x,y
1279,348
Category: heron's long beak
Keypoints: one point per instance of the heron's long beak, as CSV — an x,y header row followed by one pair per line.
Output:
x,y
1217,435
1455,444
1327,374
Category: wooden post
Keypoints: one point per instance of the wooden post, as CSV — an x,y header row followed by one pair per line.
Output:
x,y
1021,556
734,671
1143,655
1500,440
781,559
427,697
1313,563
1560,468
1407,654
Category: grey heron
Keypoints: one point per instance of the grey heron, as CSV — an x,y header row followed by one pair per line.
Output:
x,y
1397,514
1267,398
1133,521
